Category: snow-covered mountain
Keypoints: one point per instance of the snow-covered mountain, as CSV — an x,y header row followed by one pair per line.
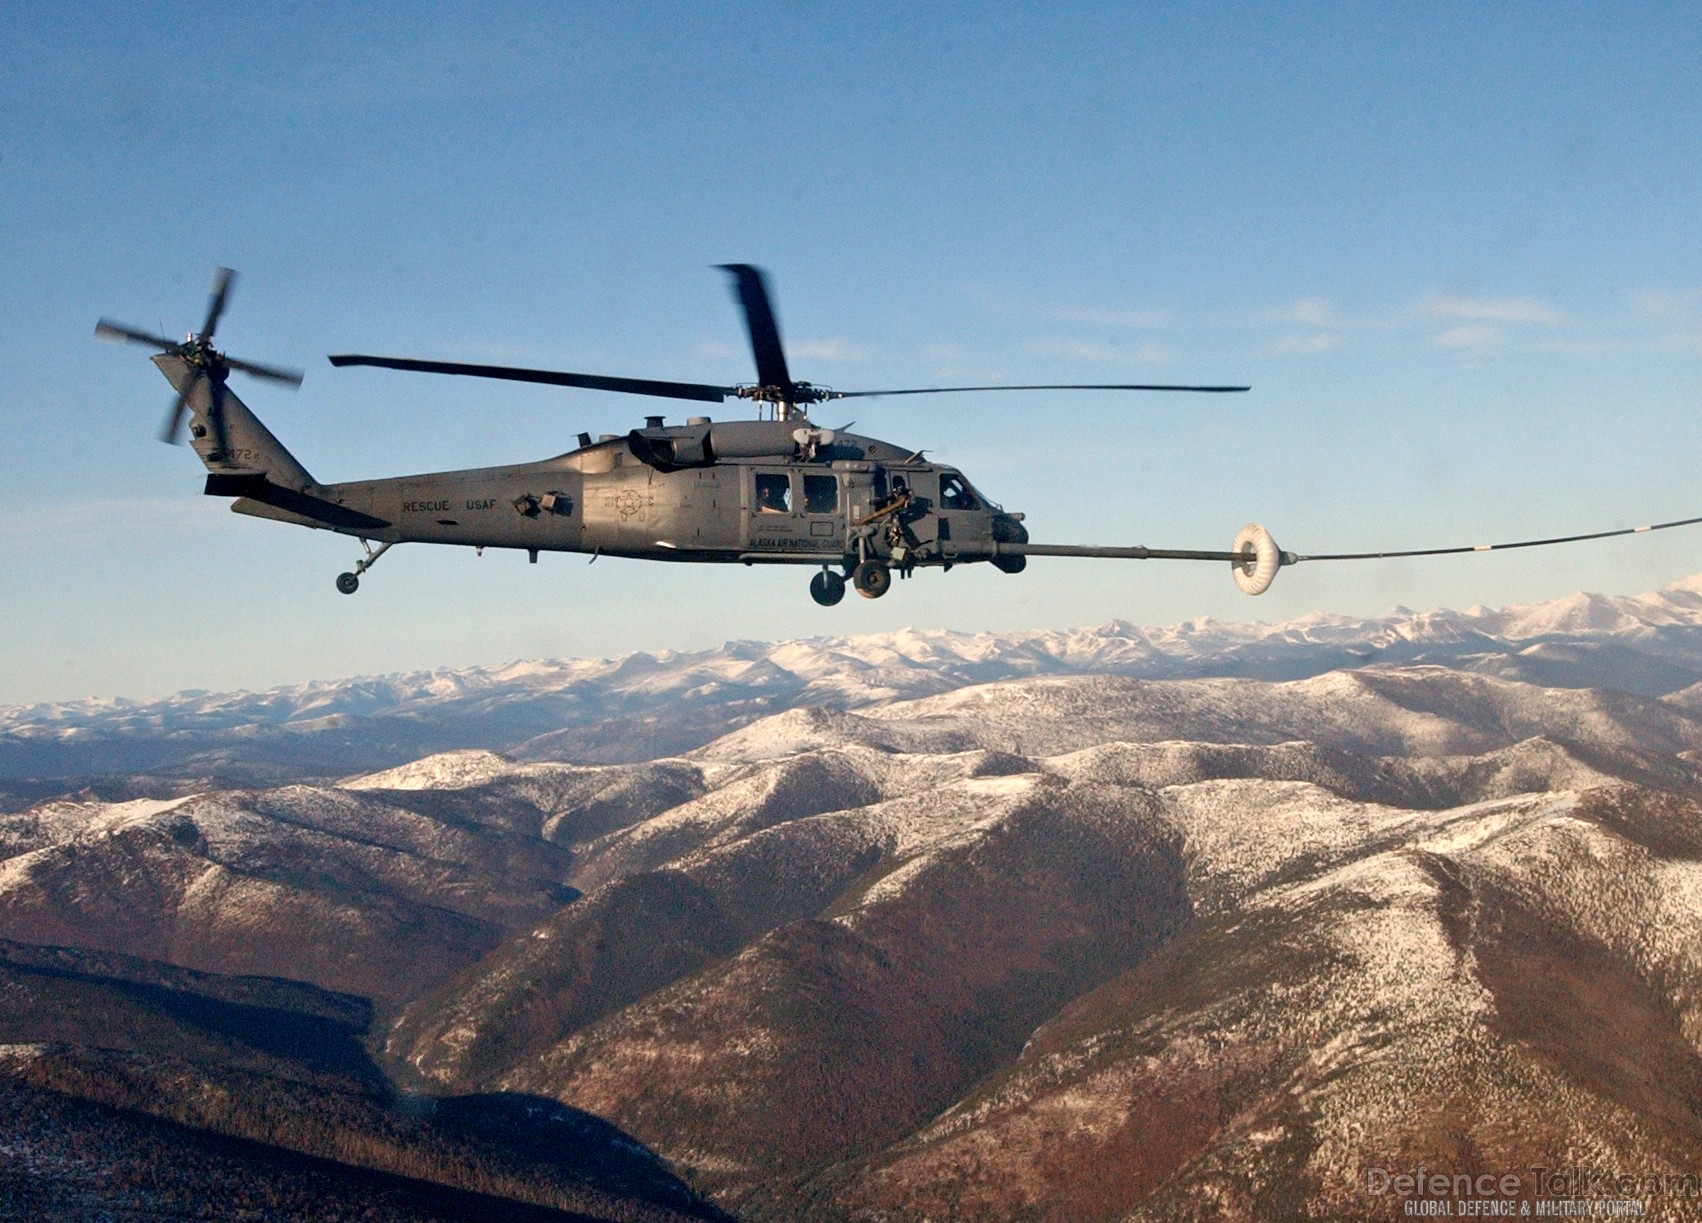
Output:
x,y
1115,924
644,706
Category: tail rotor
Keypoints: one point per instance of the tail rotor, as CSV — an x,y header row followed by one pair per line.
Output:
x,y
198,353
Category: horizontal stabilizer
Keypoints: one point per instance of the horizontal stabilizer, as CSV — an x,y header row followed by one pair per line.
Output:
x,y
256,487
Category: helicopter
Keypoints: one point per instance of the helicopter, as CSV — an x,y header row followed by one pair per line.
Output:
x,y
778,489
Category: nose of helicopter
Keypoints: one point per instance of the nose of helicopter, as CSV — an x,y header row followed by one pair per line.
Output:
x,y
1008,529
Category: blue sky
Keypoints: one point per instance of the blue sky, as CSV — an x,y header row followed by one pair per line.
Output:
x,y
1453,248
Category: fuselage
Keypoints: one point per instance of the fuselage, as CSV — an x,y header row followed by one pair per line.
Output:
x,y
754,492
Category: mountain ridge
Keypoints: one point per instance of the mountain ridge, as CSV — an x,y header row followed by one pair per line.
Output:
x,y
642,706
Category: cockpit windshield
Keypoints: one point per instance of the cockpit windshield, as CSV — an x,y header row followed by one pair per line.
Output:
x,y
955,493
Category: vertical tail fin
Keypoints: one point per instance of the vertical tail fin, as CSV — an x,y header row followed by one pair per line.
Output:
x,y
227,436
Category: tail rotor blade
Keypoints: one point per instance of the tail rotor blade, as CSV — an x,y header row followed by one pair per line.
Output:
x,y
223,278
216,415
171,432
750,288
198,360
277,373
106,329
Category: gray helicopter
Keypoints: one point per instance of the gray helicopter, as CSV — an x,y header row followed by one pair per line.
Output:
x,y
775,490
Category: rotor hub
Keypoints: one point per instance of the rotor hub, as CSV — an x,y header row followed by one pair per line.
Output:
x,y
203,356
796,393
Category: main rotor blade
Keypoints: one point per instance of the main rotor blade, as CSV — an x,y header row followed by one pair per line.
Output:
x,y
590,382
276,373
223,278
1093,386
106,329
750,290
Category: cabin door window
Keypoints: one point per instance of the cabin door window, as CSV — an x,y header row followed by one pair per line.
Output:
x,y
821,494
773,493
821,505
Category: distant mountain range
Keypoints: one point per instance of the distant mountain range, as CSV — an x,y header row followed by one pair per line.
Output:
x,y
1201,923
644,706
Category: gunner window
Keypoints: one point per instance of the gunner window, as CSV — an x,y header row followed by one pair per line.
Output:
x,y
955,494
821,494
774,494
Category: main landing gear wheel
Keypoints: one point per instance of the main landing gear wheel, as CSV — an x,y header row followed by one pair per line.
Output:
x,y
872,579
827,588
347,583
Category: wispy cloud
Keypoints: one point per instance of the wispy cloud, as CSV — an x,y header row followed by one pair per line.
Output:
x,y
1687,342
1095,314
1129,320
829,350
1321,341
1081,350
1308,312
49,526
1477,336
1318,312
1088,350
1666,304
505,352
1592,344
1494,310
1657,303
1654,318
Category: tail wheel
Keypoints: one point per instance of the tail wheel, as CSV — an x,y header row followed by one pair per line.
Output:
x,y
872,579
827,588
347,583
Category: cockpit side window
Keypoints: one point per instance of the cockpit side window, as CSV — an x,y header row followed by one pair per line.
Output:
x,y
774,493
955,494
